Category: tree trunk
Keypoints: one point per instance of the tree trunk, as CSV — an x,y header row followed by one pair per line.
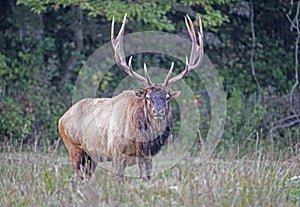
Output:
x,y
78,38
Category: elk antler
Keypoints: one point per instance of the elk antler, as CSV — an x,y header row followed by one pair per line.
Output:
x,y
196,55
117,45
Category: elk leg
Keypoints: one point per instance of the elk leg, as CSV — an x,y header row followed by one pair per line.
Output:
x,y
141,167
82,163
118,165
148,167
145,164
88,165
79,158
76,154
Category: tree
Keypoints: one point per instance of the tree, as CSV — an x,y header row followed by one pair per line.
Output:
x,y
44,42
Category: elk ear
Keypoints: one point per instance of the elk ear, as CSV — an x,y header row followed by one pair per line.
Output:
x,y
174,94
140,92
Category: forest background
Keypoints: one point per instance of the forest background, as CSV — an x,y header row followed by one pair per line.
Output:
x,y
253,45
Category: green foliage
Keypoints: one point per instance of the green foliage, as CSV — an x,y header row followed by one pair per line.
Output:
x,y
28,105
273,56
150,12
244,120
38,43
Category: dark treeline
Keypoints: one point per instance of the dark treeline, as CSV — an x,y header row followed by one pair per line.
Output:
x,y
43,45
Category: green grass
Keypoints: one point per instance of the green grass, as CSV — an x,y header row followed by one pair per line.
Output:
x,y
42,179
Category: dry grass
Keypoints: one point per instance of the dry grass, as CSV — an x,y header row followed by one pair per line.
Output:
x,y
39,179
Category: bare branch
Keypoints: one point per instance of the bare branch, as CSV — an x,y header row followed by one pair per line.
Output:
x,y
253,47
289,124
292,119
295,24
285,119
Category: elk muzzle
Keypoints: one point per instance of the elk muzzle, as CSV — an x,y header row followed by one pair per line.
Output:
x,y
158,112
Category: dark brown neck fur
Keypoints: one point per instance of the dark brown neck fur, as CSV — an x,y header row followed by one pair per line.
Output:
x,y
152,133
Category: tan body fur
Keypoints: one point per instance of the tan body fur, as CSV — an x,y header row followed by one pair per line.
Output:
x,y
104,129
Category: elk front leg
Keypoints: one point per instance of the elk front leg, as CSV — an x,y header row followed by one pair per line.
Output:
x,y
118,164
149,166
145,164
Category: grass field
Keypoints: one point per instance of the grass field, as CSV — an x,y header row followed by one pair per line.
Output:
x,y
43,179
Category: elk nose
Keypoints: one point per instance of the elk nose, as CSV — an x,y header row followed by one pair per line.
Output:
x,y
158,112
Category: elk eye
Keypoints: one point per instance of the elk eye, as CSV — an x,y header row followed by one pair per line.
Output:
x,y
147,97
168,96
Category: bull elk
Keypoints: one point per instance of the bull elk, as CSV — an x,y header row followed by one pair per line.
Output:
x,y
131,127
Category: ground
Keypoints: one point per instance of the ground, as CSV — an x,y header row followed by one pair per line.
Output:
x,y
45,179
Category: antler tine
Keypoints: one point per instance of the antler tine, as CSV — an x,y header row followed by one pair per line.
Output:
x,y
169,74
147,75
193,38
196,55
200,25
117,45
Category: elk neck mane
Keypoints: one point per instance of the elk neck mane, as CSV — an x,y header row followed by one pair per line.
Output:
x,y
152,134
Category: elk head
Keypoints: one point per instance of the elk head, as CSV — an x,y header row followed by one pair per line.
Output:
x,y
157,96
